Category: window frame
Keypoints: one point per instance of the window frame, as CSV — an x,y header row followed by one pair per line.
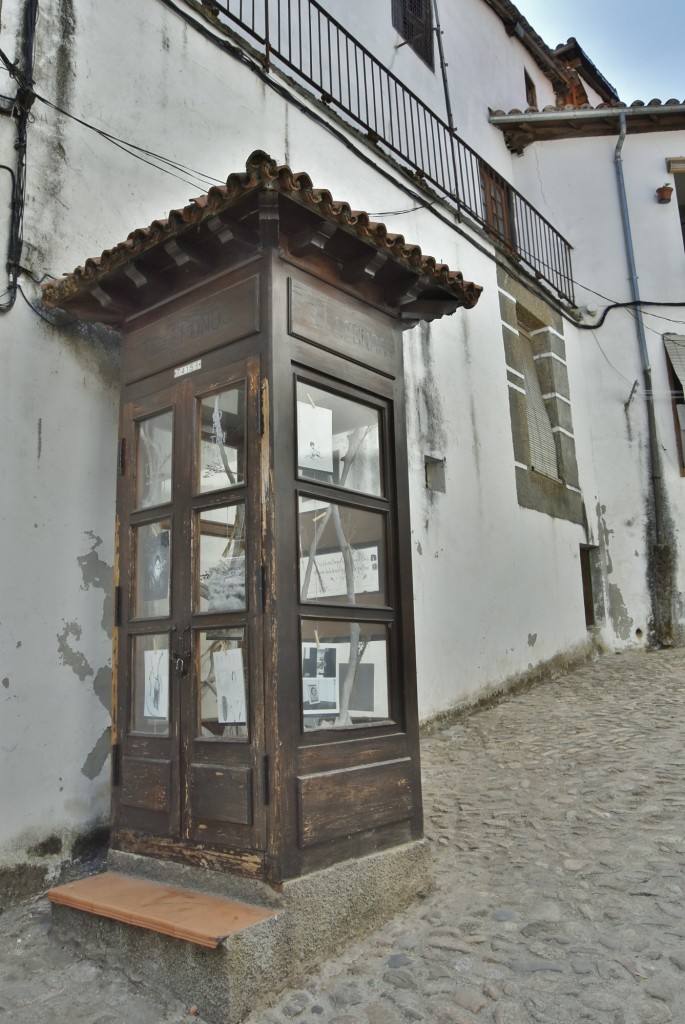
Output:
x,y
405,21
560,498
387,615
498,213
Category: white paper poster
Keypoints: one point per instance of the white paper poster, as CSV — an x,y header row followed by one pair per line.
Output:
x,y
329,578
314,437
230,687
157,684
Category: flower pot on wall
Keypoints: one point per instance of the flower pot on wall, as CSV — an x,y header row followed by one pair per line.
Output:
x,y
664,193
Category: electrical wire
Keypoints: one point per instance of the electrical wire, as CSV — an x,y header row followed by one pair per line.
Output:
x,y
140,152
38,312
170,166
597,342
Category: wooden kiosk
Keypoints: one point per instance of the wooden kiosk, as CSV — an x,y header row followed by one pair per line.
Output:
x,y
265,705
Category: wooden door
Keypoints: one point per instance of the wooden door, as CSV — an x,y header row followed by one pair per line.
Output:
x,y
190,706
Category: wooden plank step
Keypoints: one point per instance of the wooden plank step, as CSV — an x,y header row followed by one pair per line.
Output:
x,y
193,916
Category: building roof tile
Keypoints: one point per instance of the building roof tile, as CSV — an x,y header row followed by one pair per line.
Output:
x,y
261,172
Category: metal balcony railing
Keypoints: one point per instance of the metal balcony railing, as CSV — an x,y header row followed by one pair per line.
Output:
x,y
301,37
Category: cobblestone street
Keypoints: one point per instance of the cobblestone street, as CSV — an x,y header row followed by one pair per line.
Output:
x,y
557,820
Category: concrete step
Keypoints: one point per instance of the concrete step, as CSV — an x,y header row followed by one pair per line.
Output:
x,y
225,944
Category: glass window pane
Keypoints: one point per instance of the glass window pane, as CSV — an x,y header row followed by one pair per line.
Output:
x,y
344,674
223,684
338,441
152,570
154,458
150,684
221,565
342,554
222,439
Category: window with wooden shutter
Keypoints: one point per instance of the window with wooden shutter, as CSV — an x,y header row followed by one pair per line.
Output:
x,y
542,448
414,21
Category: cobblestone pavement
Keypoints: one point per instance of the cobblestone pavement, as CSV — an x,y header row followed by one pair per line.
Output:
x,y
557,819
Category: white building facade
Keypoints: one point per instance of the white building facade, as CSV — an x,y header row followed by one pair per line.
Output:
x,y
546,453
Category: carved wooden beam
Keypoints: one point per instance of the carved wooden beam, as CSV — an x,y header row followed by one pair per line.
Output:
x,y
112,308
269,218
403,294
186,251
429,309
365,268
313,238
134,274
225,231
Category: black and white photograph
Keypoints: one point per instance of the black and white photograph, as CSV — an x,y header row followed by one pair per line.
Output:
x,y
154,562
320,688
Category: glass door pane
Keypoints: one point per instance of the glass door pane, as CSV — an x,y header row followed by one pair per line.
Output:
x,y
222,440
223,711
344,674
338,440
220,586
154,447
150,684
151,570
342,554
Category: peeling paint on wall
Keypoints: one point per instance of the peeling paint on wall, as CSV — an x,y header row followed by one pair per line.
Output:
x,y
6,682
532,639
95,762
102,687
74,660
621,621
95,572
618,613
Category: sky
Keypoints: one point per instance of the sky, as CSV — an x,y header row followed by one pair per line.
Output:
x,y
637,46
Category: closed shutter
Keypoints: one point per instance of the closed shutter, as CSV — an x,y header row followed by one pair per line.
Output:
x,y
543,450
676,353
414,22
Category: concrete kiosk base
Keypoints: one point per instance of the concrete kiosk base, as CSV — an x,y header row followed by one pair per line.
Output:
x,y
318,914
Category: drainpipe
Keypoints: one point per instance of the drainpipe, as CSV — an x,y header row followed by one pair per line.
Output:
x,y
654,453
448,104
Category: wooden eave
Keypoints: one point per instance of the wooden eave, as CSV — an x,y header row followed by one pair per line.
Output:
x,y
267,206
520,128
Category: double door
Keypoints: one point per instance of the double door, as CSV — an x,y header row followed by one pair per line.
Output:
x,y
190,764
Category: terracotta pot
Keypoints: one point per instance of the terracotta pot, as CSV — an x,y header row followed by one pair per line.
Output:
x,y
664,193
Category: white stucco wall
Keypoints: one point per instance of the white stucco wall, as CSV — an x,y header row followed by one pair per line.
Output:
x,y
579,191
59,402
497,586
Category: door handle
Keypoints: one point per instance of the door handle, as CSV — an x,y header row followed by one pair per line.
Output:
x,y
181,656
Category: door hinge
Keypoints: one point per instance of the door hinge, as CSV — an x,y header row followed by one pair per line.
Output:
x,y
116,764
261,585
121,456
266,795
260,408
117,606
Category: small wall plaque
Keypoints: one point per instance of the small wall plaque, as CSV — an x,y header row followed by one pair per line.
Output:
x,y
181,371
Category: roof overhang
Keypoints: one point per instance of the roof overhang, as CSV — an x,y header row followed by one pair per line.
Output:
x,y
572,55
520,128
267,206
